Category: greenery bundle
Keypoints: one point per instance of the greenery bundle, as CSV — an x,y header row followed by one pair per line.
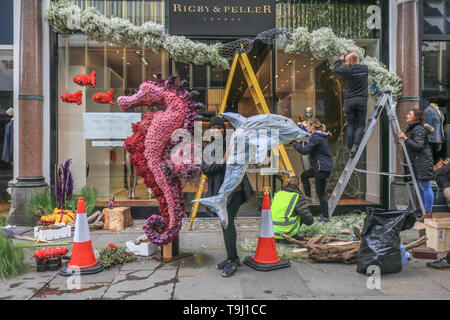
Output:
x,y
90,196
2,220
335,226
39,205
113,255
11,258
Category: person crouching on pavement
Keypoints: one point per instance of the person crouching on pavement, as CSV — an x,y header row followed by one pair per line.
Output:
x,y
442,177
356,94
215,173
290,209
321,163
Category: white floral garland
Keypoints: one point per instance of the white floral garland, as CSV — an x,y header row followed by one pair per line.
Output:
x,y
67,18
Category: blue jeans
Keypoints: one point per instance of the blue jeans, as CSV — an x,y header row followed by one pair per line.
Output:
x,y
426,193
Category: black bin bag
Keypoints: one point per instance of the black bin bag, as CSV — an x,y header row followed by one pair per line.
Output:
x,y
380,240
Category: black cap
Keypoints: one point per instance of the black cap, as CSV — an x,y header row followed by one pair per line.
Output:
x,y
217,121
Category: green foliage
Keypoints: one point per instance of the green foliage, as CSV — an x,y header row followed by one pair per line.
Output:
x,y
335,226
11,258
40,204
2,220
90,195
112,256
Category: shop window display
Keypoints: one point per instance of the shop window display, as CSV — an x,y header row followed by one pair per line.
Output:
x,y
295,85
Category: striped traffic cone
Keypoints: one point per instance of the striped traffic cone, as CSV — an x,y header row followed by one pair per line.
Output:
x,y
82,259
266,257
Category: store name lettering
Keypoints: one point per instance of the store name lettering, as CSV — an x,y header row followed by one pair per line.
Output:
x,y
266,9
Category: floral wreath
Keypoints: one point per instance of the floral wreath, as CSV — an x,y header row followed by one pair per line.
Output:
x,y
66,18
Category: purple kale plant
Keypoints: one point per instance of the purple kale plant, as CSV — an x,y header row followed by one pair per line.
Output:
x,y
64,184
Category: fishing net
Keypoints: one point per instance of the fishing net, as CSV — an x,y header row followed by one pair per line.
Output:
x,y
245,45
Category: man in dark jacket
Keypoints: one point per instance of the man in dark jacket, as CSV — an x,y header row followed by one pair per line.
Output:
x,y
356,94
290,209
215,172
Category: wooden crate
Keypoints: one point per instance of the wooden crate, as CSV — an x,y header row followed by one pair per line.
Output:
x,y
438,234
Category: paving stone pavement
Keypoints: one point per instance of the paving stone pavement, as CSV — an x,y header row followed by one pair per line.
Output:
x,y
195,277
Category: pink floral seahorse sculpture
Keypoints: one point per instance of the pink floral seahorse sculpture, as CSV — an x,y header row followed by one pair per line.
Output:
x,y
151,147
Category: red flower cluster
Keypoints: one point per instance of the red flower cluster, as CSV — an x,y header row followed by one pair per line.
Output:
x,y
104,97
150,149
85,79
49,253
112,246
72,97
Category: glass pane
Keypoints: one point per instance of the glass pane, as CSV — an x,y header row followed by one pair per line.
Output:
x,y
436,76
6,125
102,163
306,87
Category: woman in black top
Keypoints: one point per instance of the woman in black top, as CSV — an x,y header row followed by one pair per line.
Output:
x,y
321,163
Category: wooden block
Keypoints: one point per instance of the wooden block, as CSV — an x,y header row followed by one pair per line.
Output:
x,y
300,251
420,253
117,219
167,251
441,215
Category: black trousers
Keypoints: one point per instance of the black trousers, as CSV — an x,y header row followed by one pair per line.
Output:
x,y
356,122
321,183
436,150
229,234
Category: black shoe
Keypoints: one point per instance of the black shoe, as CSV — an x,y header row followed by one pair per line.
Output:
x,y
230,268
222,264
439,264
324,219
353,151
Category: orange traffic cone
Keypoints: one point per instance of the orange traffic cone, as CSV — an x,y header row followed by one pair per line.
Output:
x,y
82,258
266,257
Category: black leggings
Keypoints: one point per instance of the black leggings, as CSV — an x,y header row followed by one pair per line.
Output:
x,y
356,117
321,183
229,234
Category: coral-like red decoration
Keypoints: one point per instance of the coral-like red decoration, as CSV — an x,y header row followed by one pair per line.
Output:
x,y
49,253
72,97
104,97
150,149
85,79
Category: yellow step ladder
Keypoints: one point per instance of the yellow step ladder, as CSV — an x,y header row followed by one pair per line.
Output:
x,y
261,107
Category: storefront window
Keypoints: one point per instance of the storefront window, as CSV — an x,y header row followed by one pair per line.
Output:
x,y
306,87
6,124
436,75
92,134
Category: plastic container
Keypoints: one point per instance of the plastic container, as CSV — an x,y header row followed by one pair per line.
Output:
x,y
405,254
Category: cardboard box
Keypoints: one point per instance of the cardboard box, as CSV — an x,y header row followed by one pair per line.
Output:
x,y
143,249
52,234
438,234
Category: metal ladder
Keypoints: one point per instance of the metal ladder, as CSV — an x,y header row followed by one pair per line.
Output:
x,y
385,101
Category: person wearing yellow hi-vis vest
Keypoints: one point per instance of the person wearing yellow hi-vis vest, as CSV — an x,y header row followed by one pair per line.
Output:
x,y
290,209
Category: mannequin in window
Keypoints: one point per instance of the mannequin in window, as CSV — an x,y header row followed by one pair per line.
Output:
x,y
8,142
131,177
435,118
305,158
